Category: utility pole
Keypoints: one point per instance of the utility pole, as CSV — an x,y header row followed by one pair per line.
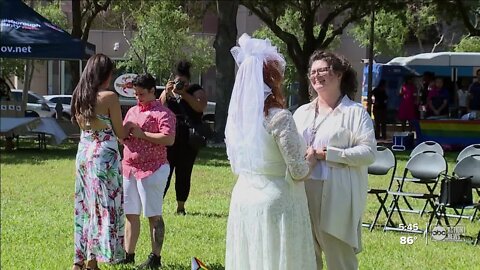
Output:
x,y
370,61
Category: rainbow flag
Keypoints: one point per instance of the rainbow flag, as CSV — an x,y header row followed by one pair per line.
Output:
x,y
461,132
198,265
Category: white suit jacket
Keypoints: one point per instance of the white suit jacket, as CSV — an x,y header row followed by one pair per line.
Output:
x,y
349,152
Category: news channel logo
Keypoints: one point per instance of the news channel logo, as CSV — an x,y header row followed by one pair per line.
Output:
x,y
452,234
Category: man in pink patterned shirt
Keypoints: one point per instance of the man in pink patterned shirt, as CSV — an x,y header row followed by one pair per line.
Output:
x,y
145,168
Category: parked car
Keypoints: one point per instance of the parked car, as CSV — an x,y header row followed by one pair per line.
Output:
x,y
65,100
126,103
209,112
37,105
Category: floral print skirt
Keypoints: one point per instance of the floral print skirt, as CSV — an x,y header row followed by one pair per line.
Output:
x,y
99,214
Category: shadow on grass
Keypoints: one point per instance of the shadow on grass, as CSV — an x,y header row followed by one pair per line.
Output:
x,y
208,214
31,154
216,157
215,266
176,266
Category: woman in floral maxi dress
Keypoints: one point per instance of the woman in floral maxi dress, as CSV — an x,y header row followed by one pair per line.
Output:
x,y
99,217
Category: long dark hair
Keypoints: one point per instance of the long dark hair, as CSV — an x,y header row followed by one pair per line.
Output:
x,y
339,64
273,78
84,98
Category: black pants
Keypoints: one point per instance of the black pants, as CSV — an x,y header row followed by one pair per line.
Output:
x,y
181,158
380,115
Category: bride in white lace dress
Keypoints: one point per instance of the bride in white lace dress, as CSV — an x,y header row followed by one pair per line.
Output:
x,y
268,224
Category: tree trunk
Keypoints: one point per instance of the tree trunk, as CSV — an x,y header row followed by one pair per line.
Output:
x,y
225,64
473,30
301,65
303,85
420,45
82,19
27,80
77,32
370,62
27,76
76,19
75,75
11,84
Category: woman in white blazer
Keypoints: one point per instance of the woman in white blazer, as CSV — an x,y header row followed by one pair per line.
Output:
x,y
341,133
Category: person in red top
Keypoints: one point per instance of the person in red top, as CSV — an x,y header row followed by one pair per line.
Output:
x,y
408,103
146,168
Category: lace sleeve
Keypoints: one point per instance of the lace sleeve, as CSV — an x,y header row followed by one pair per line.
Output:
x,y
291,145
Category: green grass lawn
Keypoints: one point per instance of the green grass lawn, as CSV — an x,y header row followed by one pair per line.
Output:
x,y
37,219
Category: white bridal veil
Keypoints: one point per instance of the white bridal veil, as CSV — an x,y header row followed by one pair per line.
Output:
x,y
243,132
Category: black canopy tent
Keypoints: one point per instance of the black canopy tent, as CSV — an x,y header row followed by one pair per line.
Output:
x,y
26,34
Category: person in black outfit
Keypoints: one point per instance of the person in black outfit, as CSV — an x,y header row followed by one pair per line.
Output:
x,y
187,101
380,109
428,77
5,93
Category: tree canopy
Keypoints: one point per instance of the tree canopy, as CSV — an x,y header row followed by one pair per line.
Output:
x,y
321,22
163,37
468,44
428,23
390,33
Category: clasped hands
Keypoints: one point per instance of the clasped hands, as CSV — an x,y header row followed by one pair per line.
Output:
x,y
313,155
134,130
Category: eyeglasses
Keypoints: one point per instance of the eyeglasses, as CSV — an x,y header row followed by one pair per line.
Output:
x,y
321,71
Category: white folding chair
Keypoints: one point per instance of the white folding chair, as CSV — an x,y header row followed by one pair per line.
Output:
x,y
427,146
422,147
425,168
473,149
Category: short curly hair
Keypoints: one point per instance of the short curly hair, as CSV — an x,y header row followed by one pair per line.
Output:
x,y
146,81
338,64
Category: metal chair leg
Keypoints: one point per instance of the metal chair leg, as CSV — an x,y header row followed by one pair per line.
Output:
x,y
390,212
478,239
382,207
472,218
407,203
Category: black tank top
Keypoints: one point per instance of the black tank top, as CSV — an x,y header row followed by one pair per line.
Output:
x,y
181,108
